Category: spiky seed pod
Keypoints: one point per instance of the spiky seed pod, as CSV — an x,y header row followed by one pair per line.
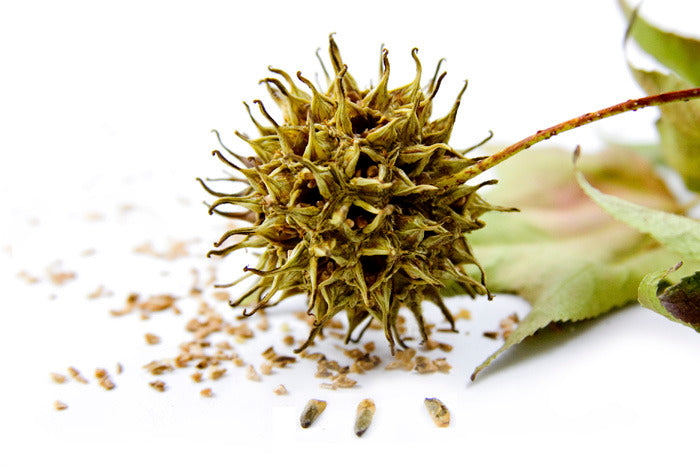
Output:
x,y
355,200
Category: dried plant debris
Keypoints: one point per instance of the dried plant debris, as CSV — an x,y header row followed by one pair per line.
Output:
x,y
27,278
58,405
207,392
363,419
175,250
196,376
507,325
157,367
58,378
151,339
99,292
438,412
103,379
280,390
158,385
339,381
58,277
251,374
311,411
75,374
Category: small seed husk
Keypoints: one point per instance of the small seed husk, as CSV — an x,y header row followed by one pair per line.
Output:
x,y
313,409
438,412
365,412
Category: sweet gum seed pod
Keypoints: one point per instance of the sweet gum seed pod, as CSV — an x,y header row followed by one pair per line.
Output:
x,y
311,411
365,412
355,199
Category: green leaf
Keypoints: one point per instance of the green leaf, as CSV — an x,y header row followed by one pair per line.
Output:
x,y
678,53
562,252
677,233
679,125
679,302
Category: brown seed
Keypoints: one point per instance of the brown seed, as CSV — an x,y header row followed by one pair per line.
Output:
x,y
363,419
438,412
75,374
58,405
158,385
216,373
313,409
151,339
196,377
280,390
288,340
491,334
207,392
58,378
158,368
251,374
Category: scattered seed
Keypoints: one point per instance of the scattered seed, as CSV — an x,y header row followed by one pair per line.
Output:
x,y
216,373
438,412
58,405
120,368
288,340
157,367
75,374
425,365
158,385
196,377
280,390
58,378
221,296
251,374
313,409
207,392
363,419
491,334
266,368
151,339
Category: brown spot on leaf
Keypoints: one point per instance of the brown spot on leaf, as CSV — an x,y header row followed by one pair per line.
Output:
x,y
683,300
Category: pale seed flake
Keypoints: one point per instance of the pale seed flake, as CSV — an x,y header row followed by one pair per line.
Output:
x,y
251,374
216,373
158,385
363,419
339,381
313,409
207,392
58,405
120,368
157,367
438,412
266,368
99,292
75,374
280,390
58,378
157,303
28,278
425,365
151,339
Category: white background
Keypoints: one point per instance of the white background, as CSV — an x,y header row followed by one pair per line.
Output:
x,y
106,104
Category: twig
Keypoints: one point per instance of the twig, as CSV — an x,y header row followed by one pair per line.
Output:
x,y
632,104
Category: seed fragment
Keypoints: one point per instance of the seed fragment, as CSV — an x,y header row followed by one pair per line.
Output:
x,y
280,390
58,378
207,392
365,412
75,374
151,339
158,385
313,409
438,412
251,374
58,405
